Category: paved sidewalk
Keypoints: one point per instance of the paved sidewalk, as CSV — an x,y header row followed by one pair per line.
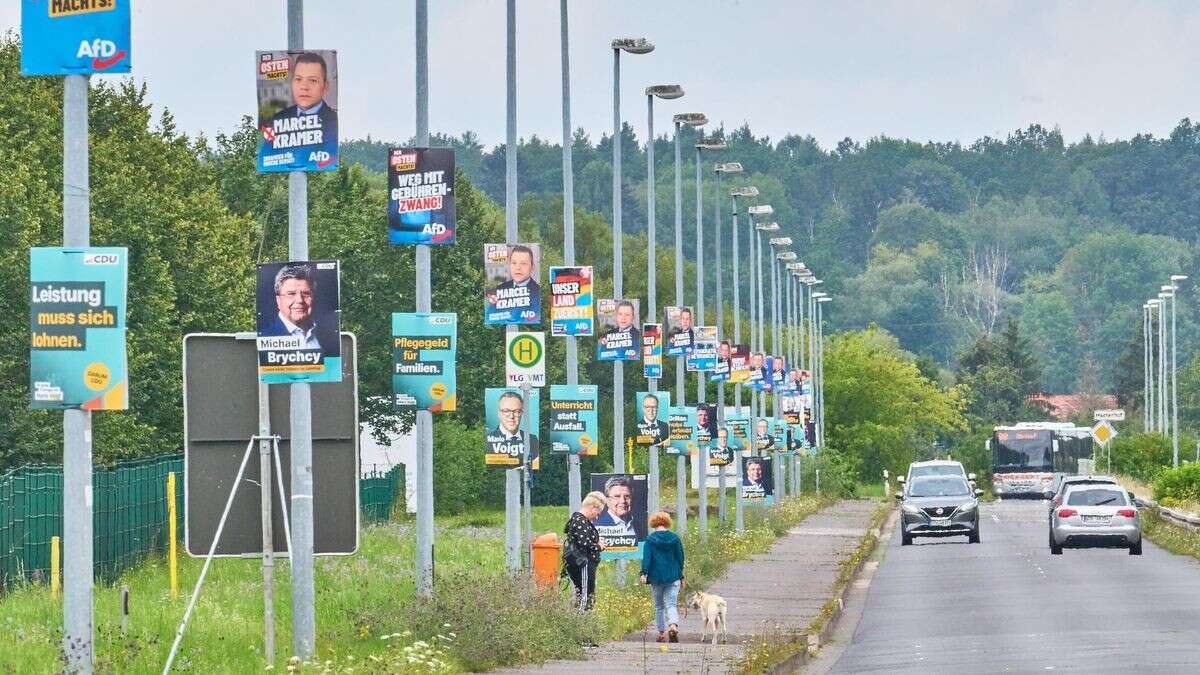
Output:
x,y
780,590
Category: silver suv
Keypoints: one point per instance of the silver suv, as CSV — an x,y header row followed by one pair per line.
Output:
x,y
939,506
1095,515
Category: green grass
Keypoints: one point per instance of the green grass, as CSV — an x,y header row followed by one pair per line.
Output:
x,y
368,617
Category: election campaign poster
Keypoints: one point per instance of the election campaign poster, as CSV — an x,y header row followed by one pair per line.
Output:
x,y
681,334
504,417
704,352
739,364
424,351
706,424
739,427
792,405
75,37
571,301
795,380
778,370
297,308
513,295
77,328
421,196
681,425
622,523
723,451
758,482
297,110
653,415
574,421
764,438
757,378
652,350
619,338
720,371
779,430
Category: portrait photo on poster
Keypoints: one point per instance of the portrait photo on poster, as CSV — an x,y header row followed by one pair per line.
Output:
x,y
704,350
723,450
421,196
298,321
571,301
706,424
504,412
512,294
619,338
622,523
720,371
758,482
681,333
297,110
764,436
653,426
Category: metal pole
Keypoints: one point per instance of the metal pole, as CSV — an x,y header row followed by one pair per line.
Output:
x,y
1174,389
1162,366
681,392
618,291
653,488
304,617
702,453
78,633
424,427
268,535
776,466
574,482
722,508
526,483
512,477
736,282
1146,367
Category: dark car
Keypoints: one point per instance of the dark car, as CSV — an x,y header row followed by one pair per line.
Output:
x,y
939,506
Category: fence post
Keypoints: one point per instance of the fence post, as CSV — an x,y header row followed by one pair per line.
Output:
x,y
172,546
55,570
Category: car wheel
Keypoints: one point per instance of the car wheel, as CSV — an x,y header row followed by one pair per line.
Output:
x,y
905,539
973,538
1136,549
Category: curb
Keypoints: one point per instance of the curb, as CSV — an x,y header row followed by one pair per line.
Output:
x,y
870,540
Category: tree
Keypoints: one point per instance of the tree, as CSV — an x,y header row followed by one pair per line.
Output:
x,y
999,373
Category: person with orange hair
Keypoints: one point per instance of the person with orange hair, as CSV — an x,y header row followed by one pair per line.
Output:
x,y
662,568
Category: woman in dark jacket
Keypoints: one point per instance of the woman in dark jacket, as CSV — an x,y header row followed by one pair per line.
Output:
x,y
662,568
581,553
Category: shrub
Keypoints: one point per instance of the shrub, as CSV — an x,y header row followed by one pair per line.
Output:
x,y
1178,485
1142,456
839,473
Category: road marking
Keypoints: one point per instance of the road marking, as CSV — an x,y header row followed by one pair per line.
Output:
x,y
995,518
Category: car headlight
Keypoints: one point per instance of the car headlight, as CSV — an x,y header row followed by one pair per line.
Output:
x,y
910,509
967,508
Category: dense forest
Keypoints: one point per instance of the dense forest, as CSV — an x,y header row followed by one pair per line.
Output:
x,y
939,243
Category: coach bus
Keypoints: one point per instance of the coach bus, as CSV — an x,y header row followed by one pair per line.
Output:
x,y
1026,457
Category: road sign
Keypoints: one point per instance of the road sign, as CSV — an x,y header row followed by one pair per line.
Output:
x,y
1103,432
220,381
1109,415
525,359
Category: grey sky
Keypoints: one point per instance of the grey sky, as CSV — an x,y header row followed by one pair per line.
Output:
x,y
952,70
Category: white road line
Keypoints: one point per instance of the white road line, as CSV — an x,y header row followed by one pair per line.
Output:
x,y
995,517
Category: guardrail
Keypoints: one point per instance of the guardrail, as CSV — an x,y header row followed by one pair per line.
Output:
x,y
1176,517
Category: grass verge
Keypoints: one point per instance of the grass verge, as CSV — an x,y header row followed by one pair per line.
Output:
x,y
369,618
1176,539
765,651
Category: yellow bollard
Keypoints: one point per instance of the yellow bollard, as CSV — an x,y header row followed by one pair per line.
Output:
x,y
629,460
55,570
172,547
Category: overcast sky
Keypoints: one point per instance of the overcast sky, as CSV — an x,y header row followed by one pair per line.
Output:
x,y
952,70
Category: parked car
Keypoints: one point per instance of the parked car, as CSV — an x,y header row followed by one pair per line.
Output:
x,y
939,506
936,467
1061,483
1096,516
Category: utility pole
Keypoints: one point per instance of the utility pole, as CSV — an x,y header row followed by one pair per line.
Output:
x,y
574,481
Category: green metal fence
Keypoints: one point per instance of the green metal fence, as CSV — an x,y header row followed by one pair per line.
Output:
x,y
130,507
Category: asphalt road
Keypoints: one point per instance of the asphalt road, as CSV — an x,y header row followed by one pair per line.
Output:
x,y
1007,605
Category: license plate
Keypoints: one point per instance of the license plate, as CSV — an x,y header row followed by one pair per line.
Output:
x,y
1096,520
940,522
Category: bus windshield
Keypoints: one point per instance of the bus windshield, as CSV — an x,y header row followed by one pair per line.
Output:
x,y
1022,450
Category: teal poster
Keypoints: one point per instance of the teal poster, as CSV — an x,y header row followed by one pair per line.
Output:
x,y
77,328
681,423
424,351
507,420
574,420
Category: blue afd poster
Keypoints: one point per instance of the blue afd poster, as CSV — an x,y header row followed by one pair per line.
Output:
x,y
423,361
77,328
75,37
421,196
574,420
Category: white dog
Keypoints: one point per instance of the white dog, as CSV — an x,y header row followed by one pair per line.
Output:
x,y
712,611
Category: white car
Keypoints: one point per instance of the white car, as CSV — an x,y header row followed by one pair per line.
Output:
x,y
937,467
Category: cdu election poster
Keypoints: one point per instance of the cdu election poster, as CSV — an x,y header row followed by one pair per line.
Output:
x,y
574,420
721,453
424,351
652,351
704,352
75,37
504,414
421,196
681,334
512,294
619,338
297,110
681,425
706,424
622,523
739,427
298,322
571,301
77,328
652,427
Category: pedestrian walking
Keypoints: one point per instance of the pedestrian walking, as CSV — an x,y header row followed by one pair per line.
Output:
x,y
581,552
662,568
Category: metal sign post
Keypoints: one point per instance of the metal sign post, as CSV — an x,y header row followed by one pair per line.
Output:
x,y
512,477
424,422
265,450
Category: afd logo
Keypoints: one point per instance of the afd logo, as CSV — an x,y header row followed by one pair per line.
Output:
x,y
321,158
101,259
104,53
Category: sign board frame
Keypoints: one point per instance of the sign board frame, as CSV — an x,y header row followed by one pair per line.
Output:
x,y
1109,415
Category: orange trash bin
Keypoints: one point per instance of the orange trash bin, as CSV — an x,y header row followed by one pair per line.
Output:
x,y
547,551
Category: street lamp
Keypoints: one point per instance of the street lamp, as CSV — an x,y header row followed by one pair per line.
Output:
x,y
747,191
631,46
759,405
1151,365
1162,363
1175,279
820,390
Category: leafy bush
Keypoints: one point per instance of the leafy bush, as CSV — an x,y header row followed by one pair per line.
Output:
x,y
1178,485
460,479
839,473
1142,456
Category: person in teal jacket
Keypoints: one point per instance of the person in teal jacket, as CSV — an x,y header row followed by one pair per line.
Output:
x,y
662,568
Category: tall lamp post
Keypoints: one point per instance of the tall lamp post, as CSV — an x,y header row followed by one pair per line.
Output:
x,y
631,46
718,169
776,243
747,191
1162,363
1146,411
821,364
1175,279
784,258
760,303
815,361
1152,372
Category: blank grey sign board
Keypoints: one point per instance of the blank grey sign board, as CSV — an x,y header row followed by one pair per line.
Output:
x,y
220,382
